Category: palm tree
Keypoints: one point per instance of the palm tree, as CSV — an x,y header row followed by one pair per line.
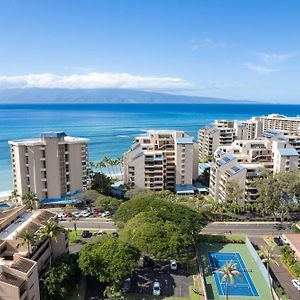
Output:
x,y
50,229
29,238
14,195
267,256
100,165
30,200
228,271
107,161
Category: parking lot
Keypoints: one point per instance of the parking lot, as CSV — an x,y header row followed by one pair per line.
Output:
x,y
172,283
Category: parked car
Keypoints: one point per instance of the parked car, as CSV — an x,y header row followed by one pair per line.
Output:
x,y
68,214
278,241
76,214
296,284
126,285
101,232
115,235
105,214
284,240
156,288
173,264
61,217
85,214
97,211
86,234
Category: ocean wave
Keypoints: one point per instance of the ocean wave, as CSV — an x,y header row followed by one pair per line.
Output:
x,y
123,136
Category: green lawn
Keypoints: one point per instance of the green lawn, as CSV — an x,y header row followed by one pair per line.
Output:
x,y
73,238
258,279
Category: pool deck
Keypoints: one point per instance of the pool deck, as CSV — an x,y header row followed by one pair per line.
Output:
x,y
256,276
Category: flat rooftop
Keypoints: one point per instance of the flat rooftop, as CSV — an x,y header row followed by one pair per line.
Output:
x,y
17,226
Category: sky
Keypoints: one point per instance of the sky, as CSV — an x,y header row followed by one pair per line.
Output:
x,y
227,48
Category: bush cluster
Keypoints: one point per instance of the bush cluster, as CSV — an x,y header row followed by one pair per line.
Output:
x,y
288,257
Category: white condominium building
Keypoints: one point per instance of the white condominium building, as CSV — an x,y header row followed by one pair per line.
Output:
x,y
211,137
161,160
243,160
280,122
224,132
52,166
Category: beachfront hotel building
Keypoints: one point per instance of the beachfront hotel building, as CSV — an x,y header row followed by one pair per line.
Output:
x,y
52,166
162,160
22,265
291,125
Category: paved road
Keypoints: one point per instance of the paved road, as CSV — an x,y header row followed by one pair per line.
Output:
x,y
250,229
279,269
99,223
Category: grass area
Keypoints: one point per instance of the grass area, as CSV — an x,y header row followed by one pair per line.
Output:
x,y
259,281
73,237
225,238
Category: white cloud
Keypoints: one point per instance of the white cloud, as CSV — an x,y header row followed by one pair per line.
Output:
x,y
273,57
259,69
94,80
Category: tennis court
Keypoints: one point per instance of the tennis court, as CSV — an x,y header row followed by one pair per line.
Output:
x,y
242,285
250,286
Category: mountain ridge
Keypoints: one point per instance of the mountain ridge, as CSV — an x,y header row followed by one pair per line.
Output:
x,y
104,95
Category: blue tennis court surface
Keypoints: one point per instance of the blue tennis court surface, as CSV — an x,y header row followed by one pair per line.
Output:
x,y
243,284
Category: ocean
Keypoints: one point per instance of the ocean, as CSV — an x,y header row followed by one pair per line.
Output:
x,y
111,128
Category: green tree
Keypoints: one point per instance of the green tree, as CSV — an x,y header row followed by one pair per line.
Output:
x,y
189,221
107,202
110,260
278,193
149,233
234,194
29,238
14,195
30,200
59,281
91,194
50,229
101,183
228,271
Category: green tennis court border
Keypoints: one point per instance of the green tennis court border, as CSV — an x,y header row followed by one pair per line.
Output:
x,y
259,281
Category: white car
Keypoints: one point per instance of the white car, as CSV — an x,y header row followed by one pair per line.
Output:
x,y
76,214
84,214
105,214
173,264
156,288
296,284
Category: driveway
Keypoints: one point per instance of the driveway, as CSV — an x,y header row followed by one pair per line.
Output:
x,y
173,283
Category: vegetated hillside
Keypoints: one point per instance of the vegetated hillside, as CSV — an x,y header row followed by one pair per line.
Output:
x,y
60,95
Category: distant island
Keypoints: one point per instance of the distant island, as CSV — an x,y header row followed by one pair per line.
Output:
x,y
105,95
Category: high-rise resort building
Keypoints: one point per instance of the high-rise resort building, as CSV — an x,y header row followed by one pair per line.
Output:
x,y
161,160
22,264
52,166
291,125
224,132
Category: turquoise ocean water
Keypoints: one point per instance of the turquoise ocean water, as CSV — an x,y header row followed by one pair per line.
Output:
x,y
112,127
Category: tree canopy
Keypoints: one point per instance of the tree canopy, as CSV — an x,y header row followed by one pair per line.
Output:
x,y
278,193
188,220
101,183
110,260
149,233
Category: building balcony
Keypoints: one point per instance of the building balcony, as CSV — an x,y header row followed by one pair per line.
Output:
x,y
44,179
43,158
43,169
44,190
